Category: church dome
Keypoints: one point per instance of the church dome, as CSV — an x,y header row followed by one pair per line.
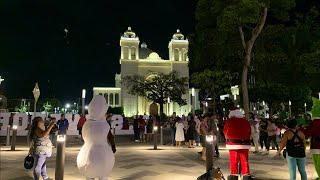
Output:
x,y
129,33
144,51
154,56
178,35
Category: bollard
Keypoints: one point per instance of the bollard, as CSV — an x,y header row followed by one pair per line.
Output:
x,y
161,135
209,152
14,137
155,139
8,136
61,145
209,158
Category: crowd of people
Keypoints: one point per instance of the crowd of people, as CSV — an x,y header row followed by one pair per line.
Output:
x,y
190,131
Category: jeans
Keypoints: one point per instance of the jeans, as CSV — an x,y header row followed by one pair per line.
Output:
x,y
274,139
293,163
40,167
136,134
53,139
173,135
263,141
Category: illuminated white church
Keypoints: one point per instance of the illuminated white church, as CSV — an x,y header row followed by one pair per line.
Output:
x,y
137,58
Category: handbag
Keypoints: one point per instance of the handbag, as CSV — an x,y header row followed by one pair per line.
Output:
x,y
284,153
28,162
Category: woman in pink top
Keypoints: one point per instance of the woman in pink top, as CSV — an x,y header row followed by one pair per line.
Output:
x,y
272,136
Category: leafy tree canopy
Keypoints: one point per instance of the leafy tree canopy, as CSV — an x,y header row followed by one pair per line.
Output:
x,y
157,87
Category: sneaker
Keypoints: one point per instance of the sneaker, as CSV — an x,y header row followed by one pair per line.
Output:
x,y
255,152
217,156
200,152
137,140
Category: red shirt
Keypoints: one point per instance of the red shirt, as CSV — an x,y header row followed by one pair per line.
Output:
x,y
81,122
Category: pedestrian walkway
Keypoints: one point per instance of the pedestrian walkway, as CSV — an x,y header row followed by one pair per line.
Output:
x,y
139,161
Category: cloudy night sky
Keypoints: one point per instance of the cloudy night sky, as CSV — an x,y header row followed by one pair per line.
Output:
x,y
34,47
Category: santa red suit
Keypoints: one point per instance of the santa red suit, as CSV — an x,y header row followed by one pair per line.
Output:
x,y
237,132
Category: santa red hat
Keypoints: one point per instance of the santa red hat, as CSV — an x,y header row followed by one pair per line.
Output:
x,y
235,112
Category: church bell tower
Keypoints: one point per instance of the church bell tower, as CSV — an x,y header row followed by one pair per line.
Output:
x,y
129,43
178,47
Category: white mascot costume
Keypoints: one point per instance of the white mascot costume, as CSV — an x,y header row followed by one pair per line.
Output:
x,y
96,159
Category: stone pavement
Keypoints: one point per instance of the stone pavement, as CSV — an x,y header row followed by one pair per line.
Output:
x,y
139,161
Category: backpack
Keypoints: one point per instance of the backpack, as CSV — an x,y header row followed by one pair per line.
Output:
x,y
296,149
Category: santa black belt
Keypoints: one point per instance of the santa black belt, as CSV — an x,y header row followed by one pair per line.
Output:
x,y
238,141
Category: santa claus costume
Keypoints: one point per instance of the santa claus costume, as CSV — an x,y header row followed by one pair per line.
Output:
x,y
237,132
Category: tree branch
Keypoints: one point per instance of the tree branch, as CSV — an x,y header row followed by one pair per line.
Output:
x,y
243,41
257,30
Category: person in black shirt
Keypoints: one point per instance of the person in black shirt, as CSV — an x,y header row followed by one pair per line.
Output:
x,y
263,133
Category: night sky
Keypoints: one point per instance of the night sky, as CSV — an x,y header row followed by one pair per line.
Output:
x,y
34,48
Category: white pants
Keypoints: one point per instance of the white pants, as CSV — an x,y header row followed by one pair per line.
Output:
x,y
104,178
255,138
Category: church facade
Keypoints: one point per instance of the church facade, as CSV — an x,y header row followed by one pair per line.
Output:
x,y
137,58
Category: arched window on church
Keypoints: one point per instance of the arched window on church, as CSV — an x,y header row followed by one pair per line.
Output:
x,y
111,99
100,94
176,54
184,54
106,96
116,99
133,53
125,52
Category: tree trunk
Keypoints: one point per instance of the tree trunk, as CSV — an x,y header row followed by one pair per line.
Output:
x,y
161,108
244,83
247,46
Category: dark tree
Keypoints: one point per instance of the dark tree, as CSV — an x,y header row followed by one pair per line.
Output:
x,y
159,87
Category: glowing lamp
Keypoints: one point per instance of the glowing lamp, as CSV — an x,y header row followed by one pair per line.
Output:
x,y
14,127
155,128
289,103
209,138
83,93
192,92
61,138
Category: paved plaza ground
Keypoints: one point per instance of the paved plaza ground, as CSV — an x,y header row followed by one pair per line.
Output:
x,y
138,161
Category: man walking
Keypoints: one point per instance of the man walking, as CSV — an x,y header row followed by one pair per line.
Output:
x,y
254,125
63,125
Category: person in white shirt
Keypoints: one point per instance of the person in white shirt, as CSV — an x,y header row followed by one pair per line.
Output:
x,y
254,124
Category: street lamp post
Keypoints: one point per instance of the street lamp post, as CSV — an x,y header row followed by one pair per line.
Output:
x,y
83,101
206,107
161,135
193,101
290,109
36,95
155,139
60,158
305,108
14,137
168,107
8,135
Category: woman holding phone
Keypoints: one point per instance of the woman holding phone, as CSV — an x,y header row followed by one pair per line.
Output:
x,y
41,147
